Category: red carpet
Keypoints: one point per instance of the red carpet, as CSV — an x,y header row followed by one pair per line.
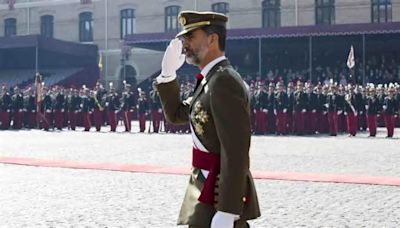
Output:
x,y
287,176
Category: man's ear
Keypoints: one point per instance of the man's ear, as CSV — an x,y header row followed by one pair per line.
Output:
x,y
213,39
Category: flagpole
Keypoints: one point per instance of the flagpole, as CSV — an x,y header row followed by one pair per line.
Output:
x,y
364,67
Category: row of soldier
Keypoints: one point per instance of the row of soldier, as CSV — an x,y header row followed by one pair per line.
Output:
x,y
60,108
303,109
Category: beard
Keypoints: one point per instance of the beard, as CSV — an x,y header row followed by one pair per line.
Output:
x,y
192,59
194,56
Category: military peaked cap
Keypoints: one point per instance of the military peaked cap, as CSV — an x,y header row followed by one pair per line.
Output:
x,y
191,20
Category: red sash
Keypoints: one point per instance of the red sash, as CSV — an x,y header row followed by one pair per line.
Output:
x,y
210,162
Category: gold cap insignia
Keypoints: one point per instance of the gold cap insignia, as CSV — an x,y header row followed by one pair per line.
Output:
x,y
182,21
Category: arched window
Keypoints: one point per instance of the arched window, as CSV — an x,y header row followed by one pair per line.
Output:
x,y
46,26
381,11
85,27
128,22
220,7
271,13
324,12
10,27
171,18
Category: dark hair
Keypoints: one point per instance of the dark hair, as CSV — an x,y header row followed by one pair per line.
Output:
x,y
220,31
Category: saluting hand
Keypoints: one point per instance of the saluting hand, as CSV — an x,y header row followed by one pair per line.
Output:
x,y
173,59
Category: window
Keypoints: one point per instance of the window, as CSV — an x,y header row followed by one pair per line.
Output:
x,y
127,22
271,13
171,18
381,11
10,27
324,12
85,27
220,7
46,26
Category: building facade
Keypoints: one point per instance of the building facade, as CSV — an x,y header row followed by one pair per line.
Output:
x,y
106,22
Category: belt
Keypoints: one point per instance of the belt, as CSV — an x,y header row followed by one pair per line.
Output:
x,y
210,162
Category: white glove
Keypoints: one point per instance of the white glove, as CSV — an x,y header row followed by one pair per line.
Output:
x,y
275,112
366,107
303,110
265,110
284,110
159,110
62,110
325,112
173,59
339,112
384,107
326,105
345,113
223,220
355,114
361,112
314,111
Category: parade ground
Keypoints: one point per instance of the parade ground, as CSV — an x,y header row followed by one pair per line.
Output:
x,y
103,179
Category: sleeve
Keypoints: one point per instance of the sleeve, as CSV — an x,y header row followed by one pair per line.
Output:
x,y
175,110
230,111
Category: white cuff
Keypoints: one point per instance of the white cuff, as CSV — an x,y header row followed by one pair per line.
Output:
x,y
223,220
165,79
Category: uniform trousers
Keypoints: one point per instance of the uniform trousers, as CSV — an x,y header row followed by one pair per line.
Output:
x,y
333,123
127,120
389,122
352,124
372,124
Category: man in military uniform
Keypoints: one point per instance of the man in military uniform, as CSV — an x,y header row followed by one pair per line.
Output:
x,y
221,192
260,97
156,110
281,103
142,107
31,108
361,100
290,95
46,109
372,110
311,110
270,115
6,103
128,104
389,107
59,108
86,107
73,108
340,107
351,112
99,104
17,106
112,107
299,107
333,112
